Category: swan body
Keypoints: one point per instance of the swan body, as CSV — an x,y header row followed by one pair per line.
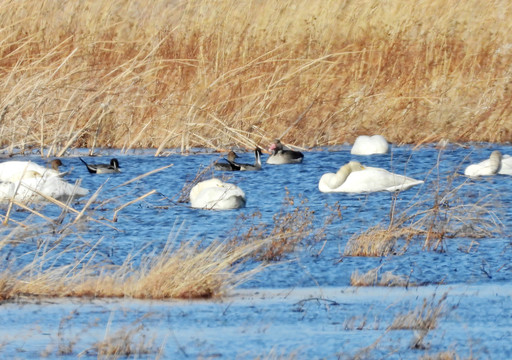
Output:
x,y
215,194
12,171
496,164
280,155
355,178
230,165
257,162
369,145
112,167
34,187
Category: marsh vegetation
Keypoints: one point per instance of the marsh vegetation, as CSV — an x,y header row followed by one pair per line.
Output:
x,y
184,74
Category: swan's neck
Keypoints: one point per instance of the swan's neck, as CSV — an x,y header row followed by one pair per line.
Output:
x,y
495,162
340,177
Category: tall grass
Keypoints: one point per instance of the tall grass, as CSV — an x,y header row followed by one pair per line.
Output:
x,y
216,73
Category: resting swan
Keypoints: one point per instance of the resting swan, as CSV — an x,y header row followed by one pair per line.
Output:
x,y
214,194
496,164
368,145
282,156
355,178
33,184
13,171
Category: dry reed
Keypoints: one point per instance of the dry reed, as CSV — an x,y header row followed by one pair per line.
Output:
x,y
449,211
373,278
199,73
293,226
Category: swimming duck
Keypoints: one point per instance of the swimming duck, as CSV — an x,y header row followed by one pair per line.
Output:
x,y
283,156
231,165
368,145
12,171
113,167
356,178
33,184
214,194
496,164
257,162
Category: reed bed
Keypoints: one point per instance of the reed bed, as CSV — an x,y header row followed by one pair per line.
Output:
x,y
215,74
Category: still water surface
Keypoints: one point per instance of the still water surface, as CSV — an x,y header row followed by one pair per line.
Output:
x,y
274,313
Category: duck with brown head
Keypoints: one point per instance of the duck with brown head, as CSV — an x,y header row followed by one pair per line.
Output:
x,y
230,165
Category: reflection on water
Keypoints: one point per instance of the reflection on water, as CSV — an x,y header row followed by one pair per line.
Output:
x,y
151,222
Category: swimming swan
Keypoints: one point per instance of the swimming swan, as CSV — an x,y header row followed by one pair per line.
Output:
x,y
257,162
231,165
34,187
12,171
496,164
214,194
283,156
113,167
368,145
355,178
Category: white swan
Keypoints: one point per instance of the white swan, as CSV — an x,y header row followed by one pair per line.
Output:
x,y
13,171
368,145
355,178
33,186
496,164
214,194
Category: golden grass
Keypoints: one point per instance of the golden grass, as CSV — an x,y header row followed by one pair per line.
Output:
x,y
186,271
200,73
373,277
448,211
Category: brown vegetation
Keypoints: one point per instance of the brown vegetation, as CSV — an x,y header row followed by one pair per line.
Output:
x,y
374,278
447,212
293,226
200,73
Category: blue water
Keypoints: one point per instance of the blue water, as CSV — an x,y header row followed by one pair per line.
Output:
x,y
146,226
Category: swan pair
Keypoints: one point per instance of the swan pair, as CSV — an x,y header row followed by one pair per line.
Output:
x,y
496,164
231,165
214,194
369,145
355,178
28,181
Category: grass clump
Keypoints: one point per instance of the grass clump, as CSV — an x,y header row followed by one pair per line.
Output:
x,y
374,278
187,271
449,211
291,227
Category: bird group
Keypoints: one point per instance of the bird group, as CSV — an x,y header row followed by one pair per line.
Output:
x,y
27,181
